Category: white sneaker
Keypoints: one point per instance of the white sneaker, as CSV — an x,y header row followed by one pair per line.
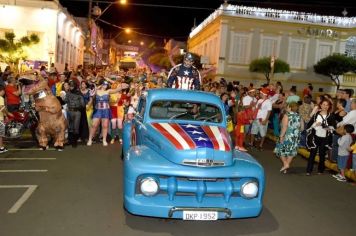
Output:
x,y
338,176
105,144
342,179
89,143
3,149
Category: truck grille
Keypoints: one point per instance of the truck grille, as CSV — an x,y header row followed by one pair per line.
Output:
x,y
199,187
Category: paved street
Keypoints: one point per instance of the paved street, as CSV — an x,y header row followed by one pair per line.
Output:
x,y
79,192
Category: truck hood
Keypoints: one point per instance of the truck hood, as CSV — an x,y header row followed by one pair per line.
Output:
x,y
194,145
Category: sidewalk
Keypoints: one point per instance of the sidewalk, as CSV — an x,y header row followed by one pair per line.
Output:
x,y
330,165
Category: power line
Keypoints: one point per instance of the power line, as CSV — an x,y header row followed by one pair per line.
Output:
x,y
140,33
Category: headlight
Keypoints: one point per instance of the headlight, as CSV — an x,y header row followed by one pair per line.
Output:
x,y
249,189
149,186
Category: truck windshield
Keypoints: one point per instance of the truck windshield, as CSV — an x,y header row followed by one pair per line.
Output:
x,y
185,110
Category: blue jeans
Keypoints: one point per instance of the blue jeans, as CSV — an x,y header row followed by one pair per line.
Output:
x,y
276,125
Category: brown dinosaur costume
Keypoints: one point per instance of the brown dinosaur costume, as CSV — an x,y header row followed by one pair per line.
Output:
x,y
52,122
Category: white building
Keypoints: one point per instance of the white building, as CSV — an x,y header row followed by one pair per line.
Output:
x,y
61,39
233,36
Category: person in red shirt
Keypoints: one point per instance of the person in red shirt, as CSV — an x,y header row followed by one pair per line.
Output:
x,y
52,78
308,90
13,94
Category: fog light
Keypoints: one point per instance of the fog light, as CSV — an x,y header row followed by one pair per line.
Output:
x,y
249,190
149,186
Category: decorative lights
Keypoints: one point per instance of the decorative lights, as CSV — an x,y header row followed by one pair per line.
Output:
x,y
277,15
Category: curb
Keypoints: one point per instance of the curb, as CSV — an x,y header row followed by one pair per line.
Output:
x,y
330,165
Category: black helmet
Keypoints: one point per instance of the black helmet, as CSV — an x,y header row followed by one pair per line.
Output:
x,y
188,56
72,84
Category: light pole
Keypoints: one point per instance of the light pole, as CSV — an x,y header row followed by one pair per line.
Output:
x,y
96,11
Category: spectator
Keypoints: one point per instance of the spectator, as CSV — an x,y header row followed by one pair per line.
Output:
x,y
260,124
224,98
277,107
75,103
339,113
292,125
293,97
57,87
304,111
2,115
88,100
347,96
7,72
350,118
249,102
43,72
13,94
308,90
319,129
316,107
343,152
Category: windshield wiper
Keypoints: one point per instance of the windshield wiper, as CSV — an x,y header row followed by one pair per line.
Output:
x,y
178,115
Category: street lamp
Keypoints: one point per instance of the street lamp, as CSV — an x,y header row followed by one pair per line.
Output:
x,y
126,30
122,2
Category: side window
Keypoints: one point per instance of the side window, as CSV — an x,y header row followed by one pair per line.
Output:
x,y
141,107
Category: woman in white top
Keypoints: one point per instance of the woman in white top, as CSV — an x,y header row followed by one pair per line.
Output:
x,y
319,129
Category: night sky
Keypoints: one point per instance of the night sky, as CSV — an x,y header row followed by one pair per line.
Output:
x,y
176,23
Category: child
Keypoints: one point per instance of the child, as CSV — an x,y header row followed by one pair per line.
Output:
x,y
343,152
3,112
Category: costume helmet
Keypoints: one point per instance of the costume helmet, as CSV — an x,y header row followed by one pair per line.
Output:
x,y
188,56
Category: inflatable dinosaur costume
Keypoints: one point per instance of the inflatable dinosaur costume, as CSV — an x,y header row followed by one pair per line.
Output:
x,y
52,122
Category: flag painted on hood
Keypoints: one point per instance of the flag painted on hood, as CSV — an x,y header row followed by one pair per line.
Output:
x,y
188,136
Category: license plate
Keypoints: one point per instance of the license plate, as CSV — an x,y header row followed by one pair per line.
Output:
x,y
200,215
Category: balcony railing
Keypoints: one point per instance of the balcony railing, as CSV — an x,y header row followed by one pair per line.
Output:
x,y
276,15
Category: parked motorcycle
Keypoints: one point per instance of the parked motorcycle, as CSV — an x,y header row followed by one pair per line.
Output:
x,y
20,121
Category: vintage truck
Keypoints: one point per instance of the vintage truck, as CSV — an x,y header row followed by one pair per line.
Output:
x,y
179,160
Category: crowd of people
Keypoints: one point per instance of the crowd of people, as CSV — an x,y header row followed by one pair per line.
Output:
x,y
325,126
96,100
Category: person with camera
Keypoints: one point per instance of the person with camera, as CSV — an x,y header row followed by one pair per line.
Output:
x,y
319,130
13,94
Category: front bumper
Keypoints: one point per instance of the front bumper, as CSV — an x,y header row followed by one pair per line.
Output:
x,y
160,206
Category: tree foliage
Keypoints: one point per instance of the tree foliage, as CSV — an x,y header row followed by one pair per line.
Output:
x,y
335,65
12,49
263,65
161,58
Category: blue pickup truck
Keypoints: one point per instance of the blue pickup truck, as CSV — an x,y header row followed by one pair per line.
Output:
x,y
179,161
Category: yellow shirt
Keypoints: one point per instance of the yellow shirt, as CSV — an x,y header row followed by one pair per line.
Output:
x,y
353,148
114,99
58,89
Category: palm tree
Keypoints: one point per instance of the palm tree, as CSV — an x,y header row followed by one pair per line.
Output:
x,y
12,50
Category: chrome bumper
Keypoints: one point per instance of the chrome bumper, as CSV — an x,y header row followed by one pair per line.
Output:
x,y
223,210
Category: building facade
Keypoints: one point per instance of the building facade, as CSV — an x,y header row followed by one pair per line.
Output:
x,y
61,38
233,36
